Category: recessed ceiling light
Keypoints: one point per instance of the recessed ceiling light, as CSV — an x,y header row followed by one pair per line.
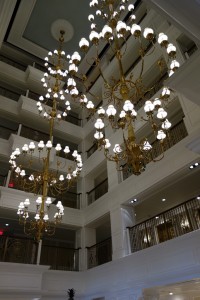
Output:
x,y
196,164
157,217
198,197
163,200
6,224
133,200
171,294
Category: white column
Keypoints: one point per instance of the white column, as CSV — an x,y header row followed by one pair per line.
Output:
x,y
121,218
85,237
113,175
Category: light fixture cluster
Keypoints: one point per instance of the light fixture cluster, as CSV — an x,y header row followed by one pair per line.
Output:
x,y
47,182
193,166
122,94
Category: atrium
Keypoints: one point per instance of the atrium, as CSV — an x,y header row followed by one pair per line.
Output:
x,y
127,220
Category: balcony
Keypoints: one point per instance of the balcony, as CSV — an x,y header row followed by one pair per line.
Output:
x,y
168,225
25,251
97,191
99,253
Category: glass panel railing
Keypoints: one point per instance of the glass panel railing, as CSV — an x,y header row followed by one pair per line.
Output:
x,y
100,253
18,250
98,191
177,133
60,258
170,224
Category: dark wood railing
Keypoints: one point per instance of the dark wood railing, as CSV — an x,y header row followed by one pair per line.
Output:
x,y
18,250
97,191
10,94
5,132
92,149
13,63
100,253
60,258
170,224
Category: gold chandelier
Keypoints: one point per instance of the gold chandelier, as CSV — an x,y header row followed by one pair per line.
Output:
x,y
123,94
46,181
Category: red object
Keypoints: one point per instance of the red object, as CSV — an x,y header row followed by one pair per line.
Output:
x,y
11,185
1,232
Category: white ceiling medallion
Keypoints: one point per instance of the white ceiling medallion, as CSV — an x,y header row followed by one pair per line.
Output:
x,y
62,24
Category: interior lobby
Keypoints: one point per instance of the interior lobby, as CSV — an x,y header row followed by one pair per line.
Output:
x,y
124,230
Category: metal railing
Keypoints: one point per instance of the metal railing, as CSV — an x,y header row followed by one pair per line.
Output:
x,y
5,132
91,150
60,258
100,253
13,63
33,134
9,93
70,199
97,191
170,224
18,250
176,134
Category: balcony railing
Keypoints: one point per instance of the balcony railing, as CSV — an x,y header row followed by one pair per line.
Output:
x,y
100,253
170,224
17,250
24,251
5,132
70,199
13,63
98,191
92,149
60,258
177,133
3,180
9,93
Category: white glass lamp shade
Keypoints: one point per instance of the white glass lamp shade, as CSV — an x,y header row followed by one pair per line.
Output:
x,y
122,114
17,152
162,39
99,124
117,149
161,135
157,103
174,65
98,135
73,69
147,146
111,111
171,50
166,92
101,111
46,217
58,147
136,30
121,27
133,113
75,153
66,150
49,145
94,37
40,145
148,33
107,32
166,124
31,146
21,205
84,44
61,178
91,18
107,144
76,58
39,200
25,148
128,106
149,106
90,105
31,177
48,201
71,83
74,92
83,99
22,173
26,202
98,12
131,7
37,217
162,114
